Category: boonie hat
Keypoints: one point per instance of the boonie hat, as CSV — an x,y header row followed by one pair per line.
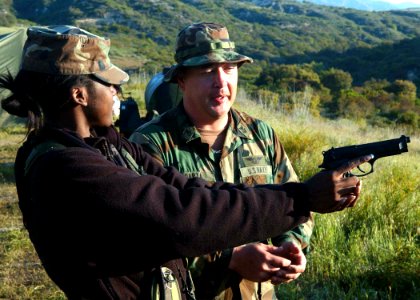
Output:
x,y
203,43
69,50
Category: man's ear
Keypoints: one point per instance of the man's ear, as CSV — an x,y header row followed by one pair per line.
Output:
x,y
181,82
79,95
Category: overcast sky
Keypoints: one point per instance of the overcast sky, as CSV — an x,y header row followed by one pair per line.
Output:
x,y
402,1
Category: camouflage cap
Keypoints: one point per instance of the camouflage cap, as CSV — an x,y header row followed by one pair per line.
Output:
x,y
204,43
69,50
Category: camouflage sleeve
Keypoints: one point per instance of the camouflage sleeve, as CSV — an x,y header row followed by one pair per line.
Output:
x,y
284,172
299,235
148,145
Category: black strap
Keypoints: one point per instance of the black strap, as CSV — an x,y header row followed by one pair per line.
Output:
x,y
39,150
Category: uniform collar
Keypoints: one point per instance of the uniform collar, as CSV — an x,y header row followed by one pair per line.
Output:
x,y
237,124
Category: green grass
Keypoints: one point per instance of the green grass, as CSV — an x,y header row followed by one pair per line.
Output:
x,y
368,252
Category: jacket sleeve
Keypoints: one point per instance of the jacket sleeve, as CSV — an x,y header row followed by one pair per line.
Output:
x,y
119,217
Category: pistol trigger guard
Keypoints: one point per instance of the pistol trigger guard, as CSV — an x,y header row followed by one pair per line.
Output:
x,y
364,172
361,170
371,165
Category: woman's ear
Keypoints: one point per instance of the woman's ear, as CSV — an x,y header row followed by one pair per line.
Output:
x,y
79,95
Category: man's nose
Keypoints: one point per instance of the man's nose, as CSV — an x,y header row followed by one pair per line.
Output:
x,y
220,77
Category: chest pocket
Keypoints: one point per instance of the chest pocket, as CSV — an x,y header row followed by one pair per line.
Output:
x,y
255,170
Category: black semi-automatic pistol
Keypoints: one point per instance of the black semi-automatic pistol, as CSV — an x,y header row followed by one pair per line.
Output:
x,y
336,157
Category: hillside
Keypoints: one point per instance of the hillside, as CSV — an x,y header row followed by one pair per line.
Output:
x,y
144,31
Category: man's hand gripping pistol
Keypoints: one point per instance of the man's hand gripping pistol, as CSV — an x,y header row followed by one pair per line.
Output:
x,y
336,157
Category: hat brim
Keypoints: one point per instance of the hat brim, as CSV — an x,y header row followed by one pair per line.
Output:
x,y
209,58
113,75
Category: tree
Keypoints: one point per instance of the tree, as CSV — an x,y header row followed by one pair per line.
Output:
x,y
376,92
288,77
404,90
353,105
336,80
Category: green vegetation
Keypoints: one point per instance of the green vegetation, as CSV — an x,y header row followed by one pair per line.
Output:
x,y
6,17
331,94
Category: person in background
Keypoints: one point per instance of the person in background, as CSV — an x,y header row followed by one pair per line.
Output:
x,y
108,221
205,137
127,115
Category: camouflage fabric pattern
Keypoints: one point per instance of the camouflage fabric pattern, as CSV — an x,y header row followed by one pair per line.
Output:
x,y
204,43
251,154
68,50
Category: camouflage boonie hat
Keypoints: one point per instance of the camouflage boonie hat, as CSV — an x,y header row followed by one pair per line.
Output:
x,y
204,43
69,50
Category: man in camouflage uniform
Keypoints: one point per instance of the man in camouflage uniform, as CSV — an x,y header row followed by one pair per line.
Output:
x,y
205,137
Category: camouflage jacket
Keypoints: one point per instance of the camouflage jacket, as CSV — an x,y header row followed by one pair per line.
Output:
x,y
252,154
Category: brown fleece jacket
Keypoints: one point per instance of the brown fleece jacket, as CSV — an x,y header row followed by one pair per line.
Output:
x,y
100,229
